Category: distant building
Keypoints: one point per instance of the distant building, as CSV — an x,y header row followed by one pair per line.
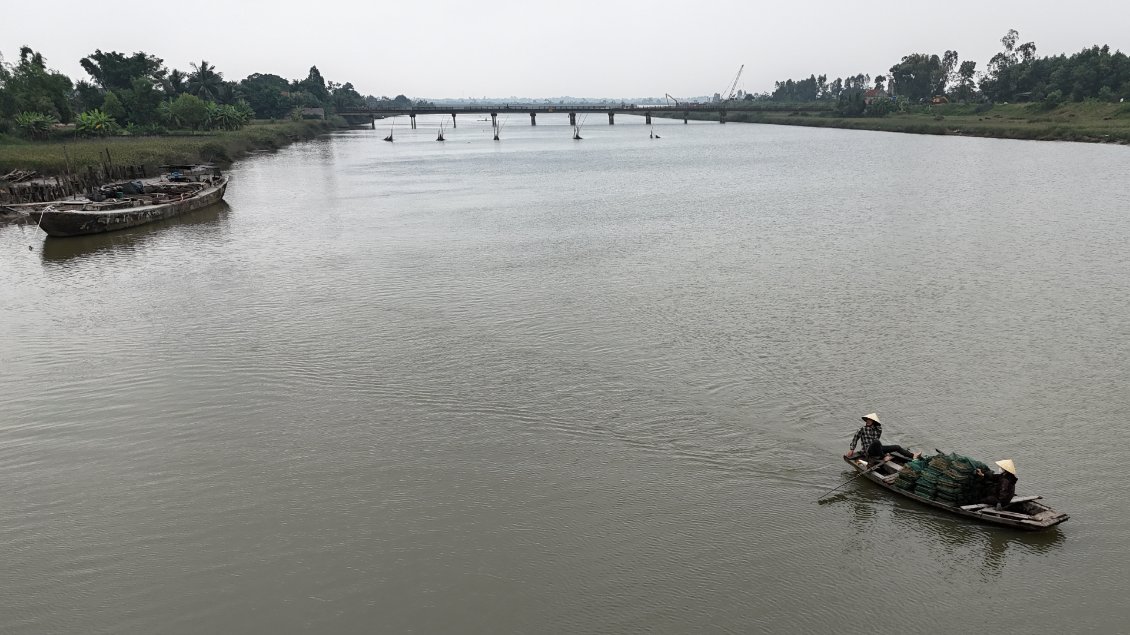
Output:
x,y
871,94
313,113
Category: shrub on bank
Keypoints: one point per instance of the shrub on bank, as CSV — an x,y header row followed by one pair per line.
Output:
x,y
48,157
35,125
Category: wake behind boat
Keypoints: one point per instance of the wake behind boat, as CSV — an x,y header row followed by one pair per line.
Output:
x,y
898,474
117,206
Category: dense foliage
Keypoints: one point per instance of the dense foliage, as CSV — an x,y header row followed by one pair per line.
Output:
x,y
1014,74
136,94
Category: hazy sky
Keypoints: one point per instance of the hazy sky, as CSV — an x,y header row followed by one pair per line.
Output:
x,y
448,48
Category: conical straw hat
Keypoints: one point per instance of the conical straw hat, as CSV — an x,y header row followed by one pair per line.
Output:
x,y
1008,466
874,416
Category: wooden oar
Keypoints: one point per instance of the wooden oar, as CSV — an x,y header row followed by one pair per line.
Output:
x,y
851,479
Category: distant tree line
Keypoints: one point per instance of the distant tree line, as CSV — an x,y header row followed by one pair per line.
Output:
x,y
137,94
1014,74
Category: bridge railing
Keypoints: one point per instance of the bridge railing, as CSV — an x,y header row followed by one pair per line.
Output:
x,y
562,108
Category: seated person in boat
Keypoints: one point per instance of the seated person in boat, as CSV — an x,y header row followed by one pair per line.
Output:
x,y
870,445
1002,487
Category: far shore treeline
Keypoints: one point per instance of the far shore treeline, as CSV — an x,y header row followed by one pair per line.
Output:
x,y
154,113
136,95
1015,74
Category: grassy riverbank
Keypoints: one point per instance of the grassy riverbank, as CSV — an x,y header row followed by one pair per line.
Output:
x,y
1088,121
47,157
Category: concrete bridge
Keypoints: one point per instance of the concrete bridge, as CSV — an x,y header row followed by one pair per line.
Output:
x,y
372,114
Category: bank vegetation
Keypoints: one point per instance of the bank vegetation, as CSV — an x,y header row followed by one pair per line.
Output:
x,y
1017,94
146,114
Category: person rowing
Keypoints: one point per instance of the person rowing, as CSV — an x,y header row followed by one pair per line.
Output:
x,y
870,445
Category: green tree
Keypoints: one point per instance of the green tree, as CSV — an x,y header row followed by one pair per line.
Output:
x,y
87,96
116,71
7,101
851,103
948,73
835,88
112,105
188,110
965,84
1007,68
917,76
204,81
268,95
31,87
141,102
345,97
175,83
315,85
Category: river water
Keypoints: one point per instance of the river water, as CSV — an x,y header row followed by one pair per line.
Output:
x,y
597,386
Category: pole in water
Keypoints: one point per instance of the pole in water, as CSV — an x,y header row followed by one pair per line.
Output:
x,y
858,474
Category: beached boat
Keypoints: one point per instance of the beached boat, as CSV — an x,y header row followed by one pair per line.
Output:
x,y
1024,512
124,205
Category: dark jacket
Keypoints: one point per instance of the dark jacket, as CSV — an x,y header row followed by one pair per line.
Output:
x,y
1006,488
999,488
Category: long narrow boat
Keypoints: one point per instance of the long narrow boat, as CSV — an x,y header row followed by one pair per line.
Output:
x,y
1024,512
157,202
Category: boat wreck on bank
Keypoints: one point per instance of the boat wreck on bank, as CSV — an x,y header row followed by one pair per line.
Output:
x,y
181,189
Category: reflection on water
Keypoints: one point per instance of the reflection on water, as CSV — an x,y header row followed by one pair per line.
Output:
x,y
971,545
953,545
207,220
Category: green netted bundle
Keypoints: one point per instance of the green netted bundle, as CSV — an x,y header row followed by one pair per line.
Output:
x,y
929,475
925,490
946,478
917,465
906,479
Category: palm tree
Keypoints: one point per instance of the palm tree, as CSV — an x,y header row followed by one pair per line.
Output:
x,y
175,83
227,93
204,81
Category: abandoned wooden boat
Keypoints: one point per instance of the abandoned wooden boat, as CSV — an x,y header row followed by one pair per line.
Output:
x,y
178,192
1023,512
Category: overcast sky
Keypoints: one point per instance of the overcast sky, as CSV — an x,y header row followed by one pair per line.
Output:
x,y
584,48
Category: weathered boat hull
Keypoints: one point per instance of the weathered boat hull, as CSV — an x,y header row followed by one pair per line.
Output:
x,y
1029,515
63,223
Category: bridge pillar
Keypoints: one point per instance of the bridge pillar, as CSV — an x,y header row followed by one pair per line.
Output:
x,y
572,119
413,118
722,116
686,116
647,118
533,119
494,120
373,122
453,121
611,118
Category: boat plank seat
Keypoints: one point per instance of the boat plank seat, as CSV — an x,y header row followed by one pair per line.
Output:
x,y
1005,514
1022,499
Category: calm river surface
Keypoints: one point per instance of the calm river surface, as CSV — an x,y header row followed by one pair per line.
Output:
x,y
557,386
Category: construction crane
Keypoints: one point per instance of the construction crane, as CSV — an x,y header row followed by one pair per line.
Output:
x,y
670,99
729,94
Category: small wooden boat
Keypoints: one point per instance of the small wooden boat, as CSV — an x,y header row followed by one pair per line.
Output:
x,y
1024,512
158,200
